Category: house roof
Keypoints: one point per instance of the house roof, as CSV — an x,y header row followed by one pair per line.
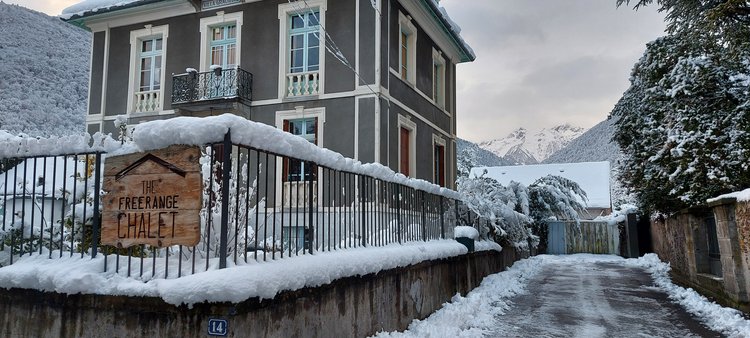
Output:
x,y
87,8
592,177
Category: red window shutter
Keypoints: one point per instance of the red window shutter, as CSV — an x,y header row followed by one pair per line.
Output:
x,y
404,161
441,165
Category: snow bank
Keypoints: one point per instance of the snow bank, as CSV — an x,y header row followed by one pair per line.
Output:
x,y
476,314
234,284
718,318
201,131
740,196
466,231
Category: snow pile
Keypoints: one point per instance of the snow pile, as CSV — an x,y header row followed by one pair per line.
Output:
x,y
618,215
740,196
73,275
201,131
466,232
45,70
93,6
474,315
25,146
725,320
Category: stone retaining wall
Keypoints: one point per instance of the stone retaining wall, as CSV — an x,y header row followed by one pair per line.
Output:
x,y
349,307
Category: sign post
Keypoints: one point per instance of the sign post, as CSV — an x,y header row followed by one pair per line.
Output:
x,y
153,199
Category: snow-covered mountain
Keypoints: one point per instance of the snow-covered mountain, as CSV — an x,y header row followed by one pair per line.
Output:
x,y
523,147
44,70
470,155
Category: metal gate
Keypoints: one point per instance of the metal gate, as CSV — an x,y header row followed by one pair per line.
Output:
x,y
567,237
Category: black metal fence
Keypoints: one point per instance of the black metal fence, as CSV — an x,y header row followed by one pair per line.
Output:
x,y
258,206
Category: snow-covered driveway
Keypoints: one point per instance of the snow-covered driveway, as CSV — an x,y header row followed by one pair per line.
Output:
x,y
581,296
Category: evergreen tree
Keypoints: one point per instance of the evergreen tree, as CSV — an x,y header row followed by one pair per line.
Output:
x,y
683,123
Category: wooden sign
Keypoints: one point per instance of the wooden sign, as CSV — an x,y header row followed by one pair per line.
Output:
x,y
153,198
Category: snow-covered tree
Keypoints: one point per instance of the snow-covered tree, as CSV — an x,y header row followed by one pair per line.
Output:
x,y
683,123
513,211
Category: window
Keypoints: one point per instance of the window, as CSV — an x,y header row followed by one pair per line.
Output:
x,y
438,78
296,170
302,45
406,146
224,45
438,161
150,55
148,48
221,39
407,42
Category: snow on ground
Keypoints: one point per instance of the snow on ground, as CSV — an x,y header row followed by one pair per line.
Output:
x,y
73,275
476,315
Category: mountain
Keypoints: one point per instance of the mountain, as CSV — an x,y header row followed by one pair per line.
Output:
x,y
44,70
470,155
596,145
522,147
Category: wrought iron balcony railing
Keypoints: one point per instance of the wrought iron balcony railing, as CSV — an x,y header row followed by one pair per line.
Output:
x,y
233,83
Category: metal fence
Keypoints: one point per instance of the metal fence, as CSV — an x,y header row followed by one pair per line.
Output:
x,y
257,206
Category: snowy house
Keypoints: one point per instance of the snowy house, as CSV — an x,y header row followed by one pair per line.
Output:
x,y
374,80
592,177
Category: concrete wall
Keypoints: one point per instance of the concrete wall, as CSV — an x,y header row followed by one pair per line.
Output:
x,y
681,240
349,307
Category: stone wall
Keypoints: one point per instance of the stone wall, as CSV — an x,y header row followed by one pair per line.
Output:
x,y
682,240
350,307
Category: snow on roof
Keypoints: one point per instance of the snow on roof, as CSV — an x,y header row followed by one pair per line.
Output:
x,y
89,6
740,196
593,177
455,29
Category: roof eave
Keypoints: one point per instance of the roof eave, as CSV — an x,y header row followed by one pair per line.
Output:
x,y
79,19
466,55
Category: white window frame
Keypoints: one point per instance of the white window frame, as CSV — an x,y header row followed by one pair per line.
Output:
x,y
438,140
206,24
299,112
406,26
439,61
407,123
134,72
290,8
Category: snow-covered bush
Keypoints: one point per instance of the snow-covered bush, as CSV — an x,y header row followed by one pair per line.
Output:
x,y
515,211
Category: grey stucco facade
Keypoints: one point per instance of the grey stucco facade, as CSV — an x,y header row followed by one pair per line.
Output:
x,y
365,103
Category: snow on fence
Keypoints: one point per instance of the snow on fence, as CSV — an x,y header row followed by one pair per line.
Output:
x,y
267,195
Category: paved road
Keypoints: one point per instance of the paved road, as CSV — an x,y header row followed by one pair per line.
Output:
x,y
596,300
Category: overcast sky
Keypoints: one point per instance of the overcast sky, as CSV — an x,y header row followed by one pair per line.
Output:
x,y
540,63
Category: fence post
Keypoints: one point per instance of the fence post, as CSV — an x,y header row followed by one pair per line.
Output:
x,y
363,206
398,210
310,233
442,219
424,217
456,207
226,168
97,223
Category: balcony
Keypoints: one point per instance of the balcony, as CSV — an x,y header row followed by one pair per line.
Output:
x,y
218,88
147,101
302,84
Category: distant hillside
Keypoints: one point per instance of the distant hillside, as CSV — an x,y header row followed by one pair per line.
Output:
x,y
524,147
470,155
596,145
44,65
